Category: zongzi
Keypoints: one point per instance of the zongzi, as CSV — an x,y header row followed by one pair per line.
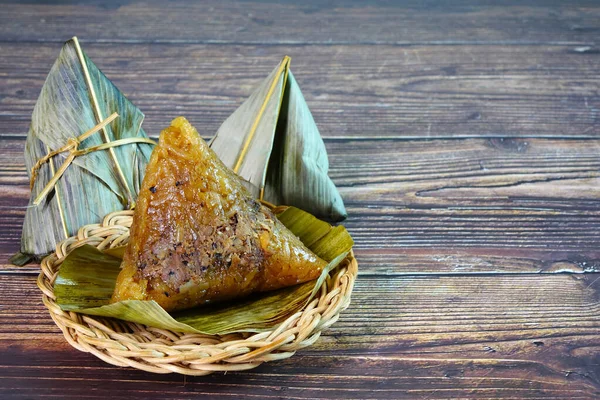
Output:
x,y
76,97
199,236
273,143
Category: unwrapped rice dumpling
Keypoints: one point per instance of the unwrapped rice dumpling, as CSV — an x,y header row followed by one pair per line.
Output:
x,y
198,235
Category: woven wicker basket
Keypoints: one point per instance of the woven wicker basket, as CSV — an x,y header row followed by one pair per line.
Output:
x,y
162,351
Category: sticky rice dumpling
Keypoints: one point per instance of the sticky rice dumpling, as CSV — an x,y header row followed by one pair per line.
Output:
x,y
198,236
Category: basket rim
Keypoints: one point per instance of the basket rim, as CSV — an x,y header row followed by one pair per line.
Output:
x,y
123,343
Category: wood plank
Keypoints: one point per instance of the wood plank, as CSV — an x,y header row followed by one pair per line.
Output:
x,y
302,377
402,337
353,91
485,174
441,206
300,22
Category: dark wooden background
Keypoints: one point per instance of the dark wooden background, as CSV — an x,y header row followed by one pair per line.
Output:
x,y
464,139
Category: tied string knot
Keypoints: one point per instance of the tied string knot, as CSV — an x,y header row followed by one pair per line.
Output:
x,y
72,146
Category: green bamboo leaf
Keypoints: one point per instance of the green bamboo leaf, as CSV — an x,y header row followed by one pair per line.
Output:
x,y
117,252
87,277
304,225
336,241
143,312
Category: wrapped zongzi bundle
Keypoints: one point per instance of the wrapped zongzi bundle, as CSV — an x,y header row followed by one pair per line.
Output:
x,y
94,181
273,143
199,236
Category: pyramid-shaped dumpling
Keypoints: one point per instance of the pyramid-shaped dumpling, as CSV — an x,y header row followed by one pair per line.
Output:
x,y
198,236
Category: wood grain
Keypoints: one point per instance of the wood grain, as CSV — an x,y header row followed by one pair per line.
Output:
x,y
464,138
404,337
354,91
267,22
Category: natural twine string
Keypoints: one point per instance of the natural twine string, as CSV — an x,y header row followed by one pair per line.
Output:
x,y
72,146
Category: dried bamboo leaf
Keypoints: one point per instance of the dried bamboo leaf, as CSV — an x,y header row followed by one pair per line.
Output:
x,y
75,97
244,141
272,142
299,165
87,277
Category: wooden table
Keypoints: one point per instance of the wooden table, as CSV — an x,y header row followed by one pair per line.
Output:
x,y
464,140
